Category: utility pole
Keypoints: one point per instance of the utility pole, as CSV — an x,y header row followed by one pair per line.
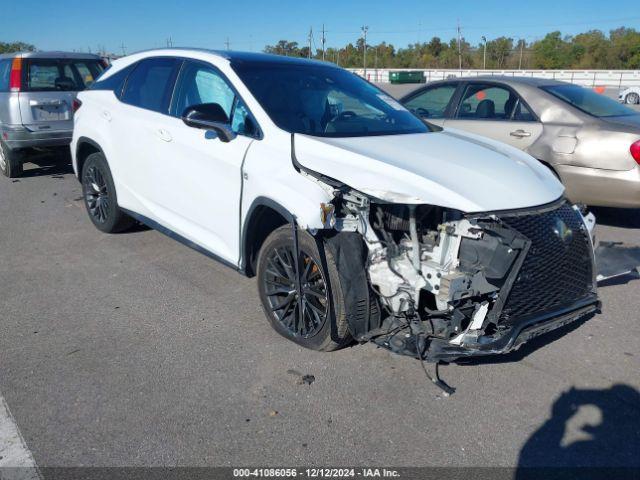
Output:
x,y
459,48
124,51
169,42
376,64
484,55
323,41
310,38
521,49
365,29
226,43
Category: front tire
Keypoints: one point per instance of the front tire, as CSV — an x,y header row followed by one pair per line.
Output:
x,y
10,161
323,325
632,99
100,197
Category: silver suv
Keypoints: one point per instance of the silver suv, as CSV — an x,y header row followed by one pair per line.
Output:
x,y
37,93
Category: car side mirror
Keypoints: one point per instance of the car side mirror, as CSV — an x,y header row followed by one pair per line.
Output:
x,y
209,116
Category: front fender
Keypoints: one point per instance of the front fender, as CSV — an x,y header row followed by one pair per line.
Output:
x,y
270,177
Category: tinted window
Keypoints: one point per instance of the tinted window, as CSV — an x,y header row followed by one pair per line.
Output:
x,y
5,73
589,101
487,102
432,102
47,75
325,101
522,113
150,84
200,83
113,82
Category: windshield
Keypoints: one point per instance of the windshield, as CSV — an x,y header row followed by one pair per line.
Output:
x,y
589,101
325,101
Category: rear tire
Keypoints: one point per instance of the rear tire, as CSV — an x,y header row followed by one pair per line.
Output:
x,y
632,98
324,326
10,161
100,197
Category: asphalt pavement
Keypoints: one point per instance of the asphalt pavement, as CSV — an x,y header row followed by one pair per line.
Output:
x,y
133,350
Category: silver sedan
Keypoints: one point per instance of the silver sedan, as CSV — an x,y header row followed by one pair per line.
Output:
x,y
590,141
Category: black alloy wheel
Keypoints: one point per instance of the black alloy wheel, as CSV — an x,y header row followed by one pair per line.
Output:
x,y
282,295
96,194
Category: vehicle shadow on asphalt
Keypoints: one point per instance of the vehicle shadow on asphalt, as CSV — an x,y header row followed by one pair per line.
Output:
x,y
588,430
617,217
46,163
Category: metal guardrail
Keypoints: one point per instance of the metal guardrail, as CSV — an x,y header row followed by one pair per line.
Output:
x,y
586,78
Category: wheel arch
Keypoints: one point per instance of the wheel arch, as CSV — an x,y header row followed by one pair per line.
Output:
x,y
263,217
85,147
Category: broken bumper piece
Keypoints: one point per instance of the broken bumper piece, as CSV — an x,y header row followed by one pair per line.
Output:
x,y
406,339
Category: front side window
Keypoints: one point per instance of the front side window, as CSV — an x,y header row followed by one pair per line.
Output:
x,y
432,102
200,83
49,75
487,102
589,101
325,101
149,84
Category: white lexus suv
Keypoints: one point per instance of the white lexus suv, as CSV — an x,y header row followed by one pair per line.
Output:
x,y
359,220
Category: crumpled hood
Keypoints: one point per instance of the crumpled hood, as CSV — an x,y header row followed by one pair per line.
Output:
x,y
451,169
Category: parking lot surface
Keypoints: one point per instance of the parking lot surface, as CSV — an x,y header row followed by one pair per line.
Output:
x,y
132,350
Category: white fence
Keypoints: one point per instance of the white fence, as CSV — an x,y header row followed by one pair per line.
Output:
x,y
586,78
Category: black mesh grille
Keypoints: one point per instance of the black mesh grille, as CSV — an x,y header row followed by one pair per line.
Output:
x,y
556,272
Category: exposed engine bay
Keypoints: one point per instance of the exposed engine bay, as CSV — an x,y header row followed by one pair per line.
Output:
x,y
444,281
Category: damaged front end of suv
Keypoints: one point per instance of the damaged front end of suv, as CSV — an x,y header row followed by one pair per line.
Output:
x,y
444,284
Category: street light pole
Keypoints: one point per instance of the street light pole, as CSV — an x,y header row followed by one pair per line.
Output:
x,y
484,56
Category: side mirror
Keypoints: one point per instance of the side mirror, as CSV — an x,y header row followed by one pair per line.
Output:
x,y
209,116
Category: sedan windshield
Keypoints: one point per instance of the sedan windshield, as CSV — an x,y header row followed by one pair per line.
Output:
x,y
589,101
325,101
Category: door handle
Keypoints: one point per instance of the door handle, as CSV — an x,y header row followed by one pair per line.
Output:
x,y
520,133
106,115
164,135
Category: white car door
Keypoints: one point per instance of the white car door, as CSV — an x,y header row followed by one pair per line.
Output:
x,y
196,179
496,112
134,120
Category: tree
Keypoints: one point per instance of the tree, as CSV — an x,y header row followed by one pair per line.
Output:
x,y
552,52
283,47
498,52
625,47
591,49
16,47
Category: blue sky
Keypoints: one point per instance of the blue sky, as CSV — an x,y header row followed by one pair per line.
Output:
x,y
249,25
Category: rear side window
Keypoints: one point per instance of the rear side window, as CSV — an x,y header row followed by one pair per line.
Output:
x,y
51,75
150,84
432,102
487,102
5,73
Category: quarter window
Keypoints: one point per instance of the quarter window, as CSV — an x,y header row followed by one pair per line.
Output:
x,y
149,85
432,102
